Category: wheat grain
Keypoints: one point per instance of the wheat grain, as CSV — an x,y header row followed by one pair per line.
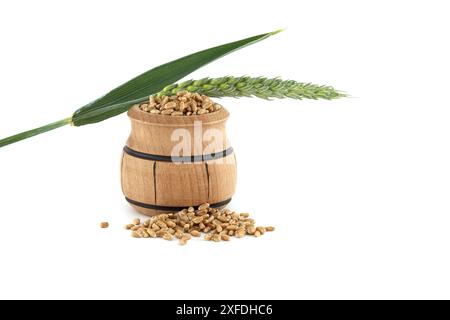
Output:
x,y
182,104
216,225
104,225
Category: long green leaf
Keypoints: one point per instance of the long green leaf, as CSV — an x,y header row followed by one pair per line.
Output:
x,y
138,89
154,80
34,132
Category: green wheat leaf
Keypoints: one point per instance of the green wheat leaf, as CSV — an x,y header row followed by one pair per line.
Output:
x,y
138,89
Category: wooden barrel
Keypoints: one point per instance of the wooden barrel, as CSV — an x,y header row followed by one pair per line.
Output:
x,y
172,162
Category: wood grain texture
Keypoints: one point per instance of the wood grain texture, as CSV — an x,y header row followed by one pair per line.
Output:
x,y
222,178
152,133
138,179
180,185
176,184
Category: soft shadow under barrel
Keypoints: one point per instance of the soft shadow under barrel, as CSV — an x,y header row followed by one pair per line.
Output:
x,y
172,162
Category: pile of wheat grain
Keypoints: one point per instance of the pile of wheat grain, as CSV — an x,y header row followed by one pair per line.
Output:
x,y
182,104
215,224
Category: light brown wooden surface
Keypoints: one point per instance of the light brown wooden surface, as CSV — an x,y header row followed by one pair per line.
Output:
x,y
222,178
181,185
138,179
152,133
174,184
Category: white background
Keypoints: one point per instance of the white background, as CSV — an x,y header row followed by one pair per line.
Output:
x,y
357,188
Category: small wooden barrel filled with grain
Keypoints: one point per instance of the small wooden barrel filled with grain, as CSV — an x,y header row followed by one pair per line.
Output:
x,y
173,162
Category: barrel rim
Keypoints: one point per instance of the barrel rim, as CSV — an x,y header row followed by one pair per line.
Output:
x,y
138,115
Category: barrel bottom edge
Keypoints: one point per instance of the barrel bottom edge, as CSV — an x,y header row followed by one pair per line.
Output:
x,y
153,210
